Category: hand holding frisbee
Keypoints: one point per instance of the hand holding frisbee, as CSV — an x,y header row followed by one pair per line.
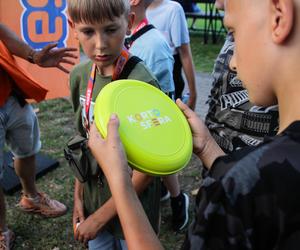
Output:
x,y
155,134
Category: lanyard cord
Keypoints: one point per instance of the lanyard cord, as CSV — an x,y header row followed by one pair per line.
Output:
x,y
138,31
141,25
119,66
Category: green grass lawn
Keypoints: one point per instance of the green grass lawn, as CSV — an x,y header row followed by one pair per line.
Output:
x,y
204,54
56,125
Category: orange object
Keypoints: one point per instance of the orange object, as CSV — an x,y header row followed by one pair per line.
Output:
x,y
39,22
29,87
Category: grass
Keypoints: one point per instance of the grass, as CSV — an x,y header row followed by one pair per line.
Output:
x,y
204,54
56,125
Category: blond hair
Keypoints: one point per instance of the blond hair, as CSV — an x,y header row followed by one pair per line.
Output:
x,y
95,11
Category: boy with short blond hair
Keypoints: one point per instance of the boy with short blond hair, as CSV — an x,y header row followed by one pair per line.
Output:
x,y
101,26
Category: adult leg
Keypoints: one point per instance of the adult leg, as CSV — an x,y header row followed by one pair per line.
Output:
x,y
24,140
25,169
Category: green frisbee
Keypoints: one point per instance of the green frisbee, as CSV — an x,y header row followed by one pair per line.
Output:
x,y
155,134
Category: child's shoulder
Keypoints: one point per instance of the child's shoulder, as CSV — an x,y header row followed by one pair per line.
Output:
x,y
153,40
173,5
142,73
82,67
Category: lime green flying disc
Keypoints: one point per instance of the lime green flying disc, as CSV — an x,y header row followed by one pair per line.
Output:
x,y
155,134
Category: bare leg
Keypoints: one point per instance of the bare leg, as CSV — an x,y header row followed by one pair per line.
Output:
x,y
2,212
172,184
25,169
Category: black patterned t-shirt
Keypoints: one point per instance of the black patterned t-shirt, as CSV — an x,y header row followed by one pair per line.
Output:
x,y
250,199
232,120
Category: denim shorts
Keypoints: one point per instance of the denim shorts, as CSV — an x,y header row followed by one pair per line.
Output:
x,y
106,241
19,129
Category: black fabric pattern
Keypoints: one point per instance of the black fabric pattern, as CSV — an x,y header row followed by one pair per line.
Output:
x,y
255,202
232,120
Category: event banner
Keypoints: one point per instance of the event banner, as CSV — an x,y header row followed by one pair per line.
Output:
x,y
38,23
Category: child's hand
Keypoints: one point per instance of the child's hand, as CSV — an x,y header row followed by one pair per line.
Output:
x,y
50,56
205,147
199,131
87,230
109,152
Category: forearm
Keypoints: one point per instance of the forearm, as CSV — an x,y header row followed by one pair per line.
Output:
x,y
188,67
210,153
78,190
14,44
136,227
108,210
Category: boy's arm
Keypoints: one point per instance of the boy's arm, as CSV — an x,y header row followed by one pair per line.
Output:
x,y
78,212
110,154
136,227
189,71
47,57
96,221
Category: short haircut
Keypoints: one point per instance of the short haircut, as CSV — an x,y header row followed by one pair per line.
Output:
x,y
95,11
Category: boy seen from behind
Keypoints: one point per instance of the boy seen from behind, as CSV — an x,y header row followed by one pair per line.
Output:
x,y
101,26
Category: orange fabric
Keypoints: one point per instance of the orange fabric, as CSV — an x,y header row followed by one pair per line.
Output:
x,y
25,83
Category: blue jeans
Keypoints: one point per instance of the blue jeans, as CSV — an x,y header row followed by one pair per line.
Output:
x,y
106,241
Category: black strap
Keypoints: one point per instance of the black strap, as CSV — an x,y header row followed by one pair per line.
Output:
x,y
129,66
136,35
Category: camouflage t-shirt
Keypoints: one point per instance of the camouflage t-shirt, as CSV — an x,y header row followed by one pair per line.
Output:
x,y
250,199
232,120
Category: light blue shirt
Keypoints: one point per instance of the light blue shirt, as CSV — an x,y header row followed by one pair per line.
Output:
x,y
154,50
169,18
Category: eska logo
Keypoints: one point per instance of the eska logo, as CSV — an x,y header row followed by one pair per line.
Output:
x,y
43,22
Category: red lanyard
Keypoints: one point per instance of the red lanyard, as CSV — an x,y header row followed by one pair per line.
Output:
x,y
141,25
119,65
89,91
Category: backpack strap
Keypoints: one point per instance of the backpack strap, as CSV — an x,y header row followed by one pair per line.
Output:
x,y
136,35
129,66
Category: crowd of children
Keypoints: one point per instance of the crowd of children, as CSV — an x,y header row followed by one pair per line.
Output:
x,y
248,198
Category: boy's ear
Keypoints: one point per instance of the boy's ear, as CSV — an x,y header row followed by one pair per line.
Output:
x,y
134,2
131,17
282,19
72,25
